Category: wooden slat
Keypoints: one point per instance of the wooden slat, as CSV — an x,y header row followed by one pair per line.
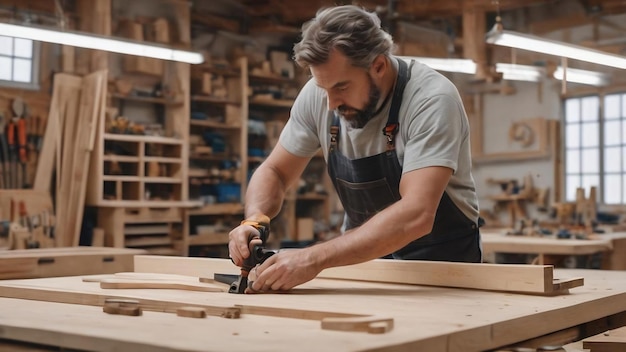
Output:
x,y
498,277
66,87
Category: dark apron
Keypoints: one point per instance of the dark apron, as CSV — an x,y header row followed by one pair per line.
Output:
x,y
368,185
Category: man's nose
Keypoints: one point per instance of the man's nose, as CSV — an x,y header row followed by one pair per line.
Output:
x,y
334,102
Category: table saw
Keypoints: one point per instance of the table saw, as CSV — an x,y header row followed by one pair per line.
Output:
x,y
323,314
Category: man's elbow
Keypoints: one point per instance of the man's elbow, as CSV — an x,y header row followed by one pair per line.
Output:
x,y
420,224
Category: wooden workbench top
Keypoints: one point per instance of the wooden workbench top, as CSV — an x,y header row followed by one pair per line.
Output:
x,y
425,318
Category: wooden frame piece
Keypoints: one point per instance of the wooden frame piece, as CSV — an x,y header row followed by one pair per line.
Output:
x,y
536,279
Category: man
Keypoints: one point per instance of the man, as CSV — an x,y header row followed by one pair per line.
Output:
x,y
396,140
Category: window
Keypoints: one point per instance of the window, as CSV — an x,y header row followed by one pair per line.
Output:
x,y
18,62
595,146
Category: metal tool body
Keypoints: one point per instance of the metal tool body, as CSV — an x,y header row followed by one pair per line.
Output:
x,y
258,255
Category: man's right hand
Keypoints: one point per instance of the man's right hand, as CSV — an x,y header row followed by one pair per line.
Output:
x,y
238,245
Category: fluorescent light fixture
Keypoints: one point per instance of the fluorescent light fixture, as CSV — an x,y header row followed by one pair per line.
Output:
x,y
498,36
514,72
443,64
98,42
581,76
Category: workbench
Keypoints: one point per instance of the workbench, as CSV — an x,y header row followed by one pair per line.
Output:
x,y
425,318
612,246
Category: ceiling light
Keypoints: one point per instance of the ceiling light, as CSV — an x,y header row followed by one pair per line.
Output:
x,y
445,64
581,76
498,36
514,72
98,42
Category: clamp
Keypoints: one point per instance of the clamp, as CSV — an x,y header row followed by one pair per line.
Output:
x,y
258,255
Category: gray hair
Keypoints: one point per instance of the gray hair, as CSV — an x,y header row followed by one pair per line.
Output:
x,y
350,29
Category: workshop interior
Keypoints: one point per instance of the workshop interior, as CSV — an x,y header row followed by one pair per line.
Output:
x,y
130,130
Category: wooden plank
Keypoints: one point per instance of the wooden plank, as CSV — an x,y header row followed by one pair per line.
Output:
x,y
498,277
78,137
65,87
49,262
121,283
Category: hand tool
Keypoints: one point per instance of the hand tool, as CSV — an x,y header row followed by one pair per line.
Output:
x,y
258,254
4,155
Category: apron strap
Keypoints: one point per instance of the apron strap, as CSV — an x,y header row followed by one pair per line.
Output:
x,y
391,128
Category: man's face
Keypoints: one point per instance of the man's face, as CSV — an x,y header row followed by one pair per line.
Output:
x,y
352,91
357,118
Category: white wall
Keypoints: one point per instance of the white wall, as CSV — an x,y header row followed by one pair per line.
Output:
x,y
499,112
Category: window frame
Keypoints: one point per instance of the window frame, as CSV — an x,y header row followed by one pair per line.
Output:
x,y
34,84
602,173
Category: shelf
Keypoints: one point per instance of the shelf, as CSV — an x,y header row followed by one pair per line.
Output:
x,y
226,72
148,241
213,100
120,158
142,138
148,203
272,103
161,159
274,79
217,209
209,157
208,239
151,100
213,124
146,230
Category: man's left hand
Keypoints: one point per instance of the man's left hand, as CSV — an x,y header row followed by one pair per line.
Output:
x,y
285,270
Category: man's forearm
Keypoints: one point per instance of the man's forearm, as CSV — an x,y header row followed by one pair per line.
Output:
x,y
384,233
265,194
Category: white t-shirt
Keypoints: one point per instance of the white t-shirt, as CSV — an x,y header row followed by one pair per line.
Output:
x,y
433,131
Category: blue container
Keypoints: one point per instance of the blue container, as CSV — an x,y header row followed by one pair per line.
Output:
x,y
228,192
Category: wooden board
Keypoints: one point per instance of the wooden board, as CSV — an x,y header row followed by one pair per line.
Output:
x,y
499,277
49,262
425,318
66,89
610,341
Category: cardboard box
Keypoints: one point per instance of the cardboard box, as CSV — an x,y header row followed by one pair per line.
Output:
x,y
304,229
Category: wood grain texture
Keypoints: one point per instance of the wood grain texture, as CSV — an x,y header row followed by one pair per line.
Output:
x,y
120,283
535,279
426,318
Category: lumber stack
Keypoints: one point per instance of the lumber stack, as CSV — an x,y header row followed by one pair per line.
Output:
x,y
77,105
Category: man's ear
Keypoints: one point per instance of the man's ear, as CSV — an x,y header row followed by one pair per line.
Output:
x,y
379,65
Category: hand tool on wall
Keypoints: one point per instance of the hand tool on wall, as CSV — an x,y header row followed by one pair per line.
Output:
x,y
16,136
258,254
4,154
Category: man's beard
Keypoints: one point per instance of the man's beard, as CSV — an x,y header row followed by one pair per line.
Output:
x,y
358,118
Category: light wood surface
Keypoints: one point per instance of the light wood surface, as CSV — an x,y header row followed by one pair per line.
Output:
x,y
425,318
537,279
65,261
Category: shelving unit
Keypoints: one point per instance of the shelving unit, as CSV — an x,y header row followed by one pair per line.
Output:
x,y
138,173
218,160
